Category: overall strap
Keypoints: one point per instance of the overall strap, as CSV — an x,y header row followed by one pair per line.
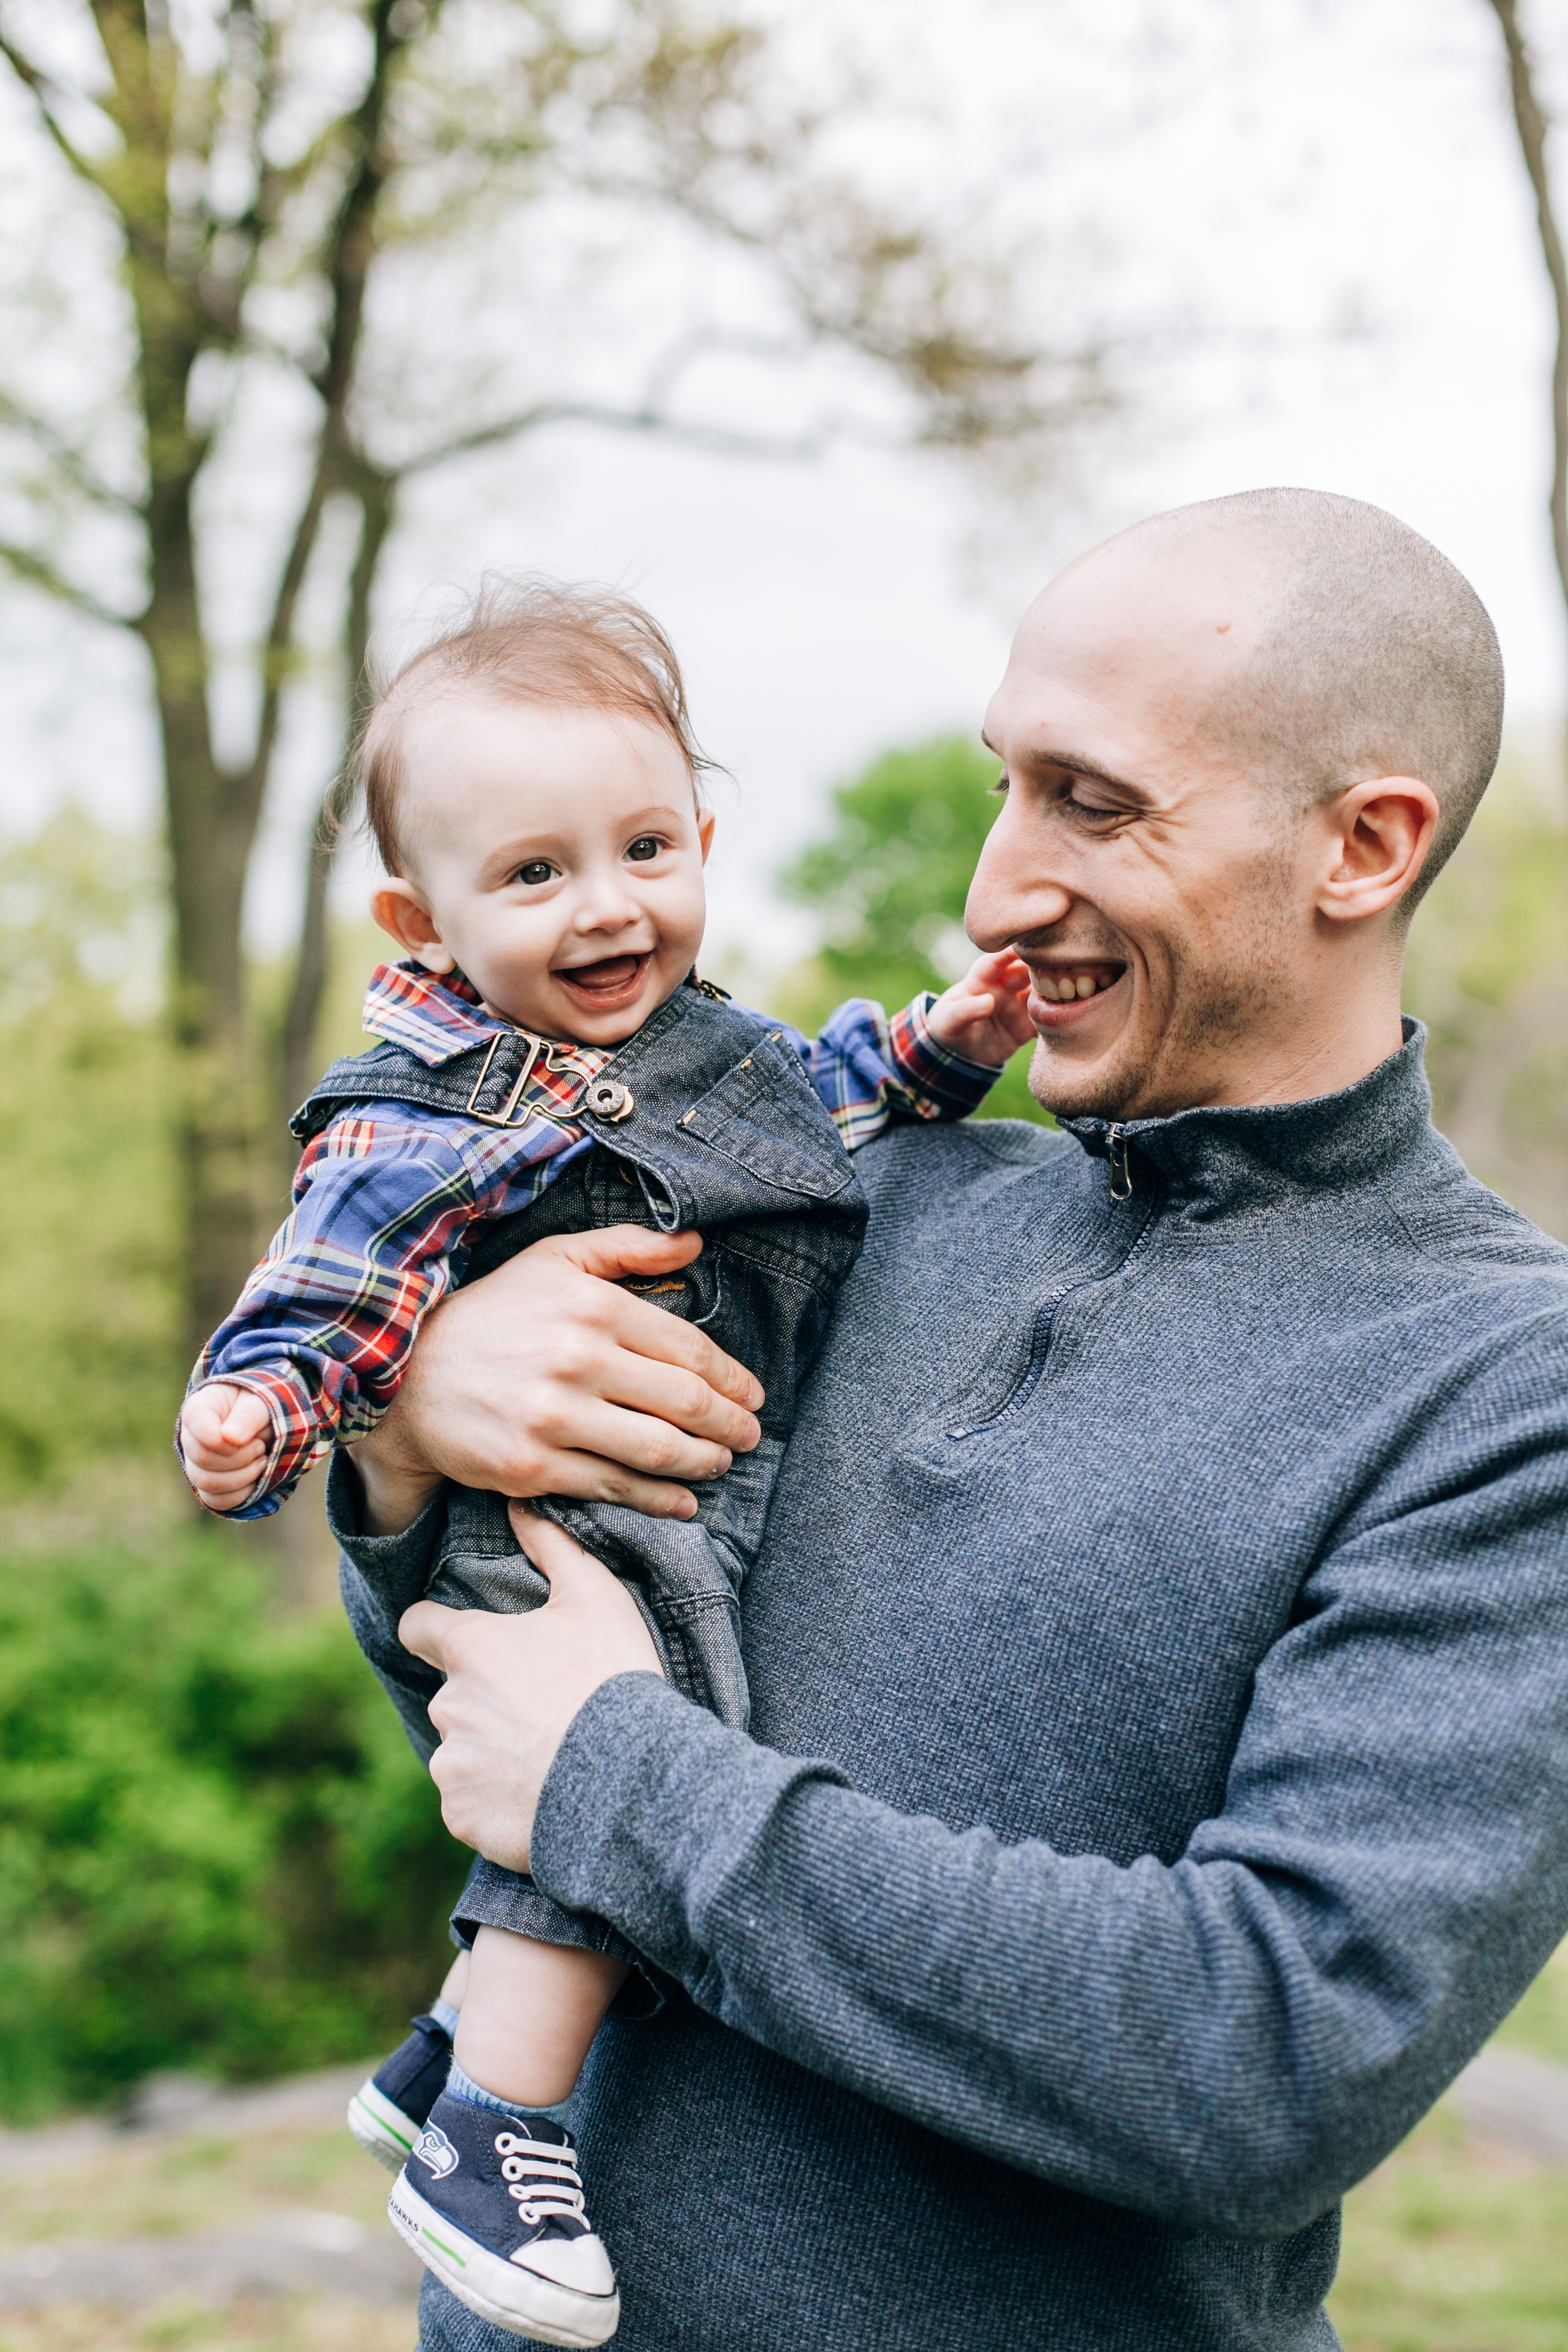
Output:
x,y
484,1083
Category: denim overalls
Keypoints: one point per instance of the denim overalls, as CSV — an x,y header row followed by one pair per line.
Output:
x,y
706,1119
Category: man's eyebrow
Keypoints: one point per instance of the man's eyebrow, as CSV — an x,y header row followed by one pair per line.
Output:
x,y
1077,764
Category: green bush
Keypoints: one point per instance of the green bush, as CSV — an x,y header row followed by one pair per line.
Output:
x,y
216,1850
889,884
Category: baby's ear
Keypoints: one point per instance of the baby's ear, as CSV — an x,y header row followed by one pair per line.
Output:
x,y
402,913
705,831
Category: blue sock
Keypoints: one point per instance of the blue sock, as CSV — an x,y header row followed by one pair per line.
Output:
x,y
462,2087
445,2017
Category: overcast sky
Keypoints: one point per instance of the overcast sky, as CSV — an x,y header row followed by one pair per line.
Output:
x,y
1331,192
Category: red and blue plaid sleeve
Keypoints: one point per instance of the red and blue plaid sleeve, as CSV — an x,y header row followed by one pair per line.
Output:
x,y
870,1070
324,1328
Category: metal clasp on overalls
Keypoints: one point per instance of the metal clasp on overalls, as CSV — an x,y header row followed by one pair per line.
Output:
x,y
1120,1170
504,1117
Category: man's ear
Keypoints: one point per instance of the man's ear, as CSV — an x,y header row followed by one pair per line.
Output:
x,y
402,913
1380,834
705,831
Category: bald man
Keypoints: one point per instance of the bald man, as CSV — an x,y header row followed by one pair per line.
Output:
x,y
1157,1786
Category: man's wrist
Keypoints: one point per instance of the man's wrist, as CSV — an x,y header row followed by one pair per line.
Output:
x,y
393,1492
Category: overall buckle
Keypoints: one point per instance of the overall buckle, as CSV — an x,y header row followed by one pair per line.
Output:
x,y
505,1116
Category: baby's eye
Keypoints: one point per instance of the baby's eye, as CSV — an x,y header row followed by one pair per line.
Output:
x,y
646,846
536,871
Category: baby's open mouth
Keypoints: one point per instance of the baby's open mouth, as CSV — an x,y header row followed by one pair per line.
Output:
x,y
611,977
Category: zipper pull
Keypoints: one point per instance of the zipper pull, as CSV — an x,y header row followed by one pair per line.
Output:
x,y
1120,1172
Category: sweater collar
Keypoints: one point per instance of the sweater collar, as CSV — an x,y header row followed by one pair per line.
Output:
x,y
1225,1157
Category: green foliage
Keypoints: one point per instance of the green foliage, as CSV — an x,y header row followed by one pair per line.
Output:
x,y
891,882
88,1242
216,1850
1487,972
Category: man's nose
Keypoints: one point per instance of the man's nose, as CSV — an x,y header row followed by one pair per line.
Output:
x,y
1013,892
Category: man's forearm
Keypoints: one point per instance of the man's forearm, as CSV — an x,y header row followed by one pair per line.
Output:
x,y
1186,2039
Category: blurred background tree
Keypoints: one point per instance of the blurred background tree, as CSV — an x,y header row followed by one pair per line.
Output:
x,y
283,189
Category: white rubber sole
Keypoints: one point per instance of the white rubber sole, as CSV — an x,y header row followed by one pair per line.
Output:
x,y
508,2296
382,2130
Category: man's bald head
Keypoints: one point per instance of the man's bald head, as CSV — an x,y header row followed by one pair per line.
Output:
x,y
1370,653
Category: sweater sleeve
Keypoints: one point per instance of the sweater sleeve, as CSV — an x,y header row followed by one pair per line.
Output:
x,y
1227,2041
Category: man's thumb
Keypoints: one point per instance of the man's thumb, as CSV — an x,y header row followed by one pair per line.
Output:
x,y
424,1629
558,1557
615,1250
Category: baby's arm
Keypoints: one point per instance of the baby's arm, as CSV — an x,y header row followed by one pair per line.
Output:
x,y
319,1338
981,1017
938,1058
223,1432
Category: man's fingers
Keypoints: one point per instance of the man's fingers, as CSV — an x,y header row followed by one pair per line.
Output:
x,y
428,1630
616,1250
647,1330
577,1578
594,1478
692,1418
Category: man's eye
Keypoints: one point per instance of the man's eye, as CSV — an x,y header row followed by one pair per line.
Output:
x,y
1092,812
644,846
536,871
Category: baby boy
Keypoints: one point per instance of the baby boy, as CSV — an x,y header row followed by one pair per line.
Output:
x,y
550,1062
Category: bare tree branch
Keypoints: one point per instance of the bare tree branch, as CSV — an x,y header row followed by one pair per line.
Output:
x,y
349,250
70,460
717,439
41,86
26,563
1530,120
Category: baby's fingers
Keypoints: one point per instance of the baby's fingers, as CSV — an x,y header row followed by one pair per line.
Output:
x,y
247,1417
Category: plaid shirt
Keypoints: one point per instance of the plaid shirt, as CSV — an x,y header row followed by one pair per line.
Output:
x,y
384,1198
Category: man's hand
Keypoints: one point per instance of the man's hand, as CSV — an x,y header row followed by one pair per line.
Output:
x,y
223,1434
981,1017
544,1378
514,1684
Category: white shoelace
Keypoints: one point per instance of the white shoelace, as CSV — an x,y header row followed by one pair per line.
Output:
x,y
543,2176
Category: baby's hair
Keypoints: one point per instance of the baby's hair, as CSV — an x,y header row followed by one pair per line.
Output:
x,y
529,640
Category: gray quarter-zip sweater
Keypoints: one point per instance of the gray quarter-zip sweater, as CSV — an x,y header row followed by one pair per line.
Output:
x,y
1157,1784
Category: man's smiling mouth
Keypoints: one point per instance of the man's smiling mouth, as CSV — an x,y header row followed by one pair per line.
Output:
x,y
1067,984
608,981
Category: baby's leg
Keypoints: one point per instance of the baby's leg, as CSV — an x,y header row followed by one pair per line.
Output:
x,y
528,2013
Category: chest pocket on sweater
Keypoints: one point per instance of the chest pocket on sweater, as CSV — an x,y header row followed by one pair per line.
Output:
x,y
767,1116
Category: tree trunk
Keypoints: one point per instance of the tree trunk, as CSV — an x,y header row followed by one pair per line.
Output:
x,y
1530,121
378,506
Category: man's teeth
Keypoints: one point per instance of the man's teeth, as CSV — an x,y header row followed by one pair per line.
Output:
x,y
1061,987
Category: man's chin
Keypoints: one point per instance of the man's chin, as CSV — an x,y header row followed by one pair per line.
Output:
x,y
1070,1088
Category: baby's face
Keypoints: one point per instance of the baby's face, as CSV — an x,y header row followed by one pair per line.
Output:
x,y
556,857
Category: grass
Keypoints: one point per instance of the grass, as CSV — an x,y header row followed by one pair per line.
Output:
x,y
1455,2245
176,2186
254,2324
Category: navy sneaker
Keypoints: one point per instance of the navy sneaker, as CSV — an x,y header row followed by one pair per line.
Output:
x,y
387,2114
494,2207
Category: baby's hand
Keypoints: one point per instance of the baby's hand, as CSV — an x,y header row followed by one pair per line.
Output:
x,y
223,1434
981,1017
